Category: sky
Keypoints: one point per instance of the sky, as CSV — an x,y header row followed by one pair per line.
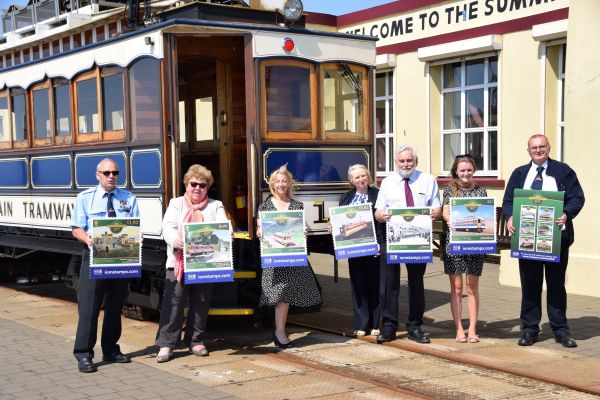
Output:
x,y
334,7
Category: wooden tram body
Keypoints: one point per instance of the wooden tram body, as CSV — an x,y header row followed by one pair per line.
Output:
x,y
208,83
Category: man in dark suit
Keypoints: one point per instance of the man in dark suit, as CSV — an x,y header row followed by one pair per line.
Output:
x,y
543,173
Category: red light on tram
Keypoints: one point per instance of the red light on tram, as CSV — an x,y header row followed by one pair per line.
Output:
x,y
288,45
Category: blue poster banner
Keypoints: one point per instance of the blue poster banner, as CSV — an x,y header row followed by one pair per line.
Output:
x,y
211,276
397,257
134,271
472,248
284,261
357,251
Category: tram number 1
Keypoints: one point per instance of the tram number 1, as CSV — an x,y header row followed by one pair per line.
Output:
x,y
321,209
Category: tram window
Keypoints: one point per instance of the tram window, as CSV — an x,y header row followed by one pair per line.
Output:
x,y
26,55
35,52
100,36
344,106
4,119
87,106
113,103
41,114
76,40
55,47
204,119
19,118
62,109
145,104
288,99
45,49
66,43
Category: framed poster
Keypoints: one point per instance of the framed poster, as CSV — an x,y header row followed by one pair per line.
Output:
x,y
473,225
207,252
537,235
117,248
353,231
282,242
408,235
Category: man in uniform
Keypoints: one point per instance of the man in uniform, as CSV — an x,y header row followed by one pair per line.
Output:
x,y
104,200
543,173
406,188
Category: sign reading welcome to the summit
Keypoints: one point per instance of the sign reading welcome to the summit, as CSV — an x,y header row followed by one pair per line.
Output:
x,y
116,250
537,235
282,240
450,16
353,231
409,236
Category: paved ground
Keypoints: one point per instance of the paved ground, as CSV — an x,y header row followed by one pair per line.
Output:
x,y
37,332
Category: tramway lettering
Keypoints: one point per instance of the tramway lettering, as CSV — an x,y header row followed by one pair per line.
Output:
x,y
52,210
6,209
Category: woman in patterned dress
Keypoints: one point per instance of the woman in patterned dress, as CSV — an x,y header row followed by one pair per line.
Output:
x,y
456,265
285,286
364,271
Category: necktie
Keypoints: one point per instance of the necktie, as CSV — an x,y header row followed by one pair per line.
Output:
x,y
538,181
110,211
408,194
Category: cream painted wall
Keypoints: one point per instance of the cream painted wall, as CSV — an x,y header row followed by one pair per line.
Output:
x,y
411,118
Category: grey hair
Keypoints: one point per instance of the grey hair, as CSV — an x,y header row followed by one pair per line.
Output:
x,y
355,167
106,160
405,147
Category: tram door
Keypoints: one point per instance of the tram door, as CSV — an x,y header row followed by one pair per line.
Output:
x,y
211,112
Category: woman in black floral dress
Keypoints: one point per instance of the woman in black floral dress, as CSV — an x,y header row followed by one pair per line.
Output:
x,y
456,265
282,286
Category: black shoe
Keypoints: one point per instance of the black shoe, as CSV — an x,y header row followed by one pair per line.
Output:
x,y
528,339
117,357
386,336
418,336
86,365
566,340
281,345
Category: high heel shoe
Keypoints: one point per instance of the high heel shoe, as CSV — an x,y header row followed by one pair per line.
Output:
x,y
281,345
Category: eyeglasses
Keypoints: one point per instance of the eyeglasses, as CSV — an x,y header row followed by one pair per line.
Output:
x,y
463,156
542,147
107,173
201,184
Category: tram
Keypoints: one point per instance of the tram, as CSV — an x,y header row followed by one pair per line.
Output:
x,y
161,85
470,223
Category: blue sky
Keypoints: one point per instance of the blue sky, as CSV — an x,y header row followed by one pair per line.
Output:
x,y
334,7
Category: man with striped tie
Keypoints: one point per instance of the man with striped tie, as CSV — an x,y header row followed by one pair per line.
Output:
x,y
543,173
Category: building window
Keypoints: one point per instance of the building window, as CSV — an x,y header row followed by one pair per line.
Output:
x,y
562,58
384,123
470,112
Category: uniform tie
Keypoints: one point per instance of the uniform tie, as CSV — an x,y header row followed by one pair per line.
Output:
x,y
410,202
538,182
110,211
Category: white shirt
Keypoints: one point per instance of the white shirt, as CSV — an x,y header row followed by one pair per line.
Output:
x,y
424,189
548,182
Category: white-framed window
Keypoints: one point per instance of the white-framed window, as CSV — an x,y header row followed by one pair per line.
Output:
x,y
470,112
562,58
384,123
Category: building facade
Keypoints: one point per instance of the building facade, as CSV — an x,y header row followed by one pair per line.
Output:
x,y
479,77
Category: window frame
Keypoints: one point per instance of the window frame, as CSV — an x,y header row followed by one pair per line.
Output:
x,y
116,134
20,144
47,141
486,129
5,145
314,116
388,130
63,139
560,117
94,136
366,117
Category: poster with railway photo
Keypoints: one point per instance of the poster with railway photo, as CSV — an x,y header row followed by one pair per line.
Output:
x,y
353,231
537,236
282,240
409,236
207,253
472,225
116,251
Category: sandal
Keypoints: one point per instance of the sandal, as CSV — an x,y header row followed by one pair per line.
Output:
x,y
461,339
359,333
473,339
199,350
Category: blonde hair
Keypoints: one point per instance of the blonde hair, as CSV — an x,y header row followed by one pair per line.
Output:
x,y
288,175
199,172
354,167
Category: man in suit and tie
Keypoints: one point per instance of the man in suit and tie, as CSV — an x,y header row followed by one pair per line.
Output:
x,y
408,187
543,173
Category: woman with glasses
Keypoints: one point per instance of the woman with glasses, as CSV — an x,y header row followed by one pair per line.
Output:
x,y
285,286
193,206
364,271
455,265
